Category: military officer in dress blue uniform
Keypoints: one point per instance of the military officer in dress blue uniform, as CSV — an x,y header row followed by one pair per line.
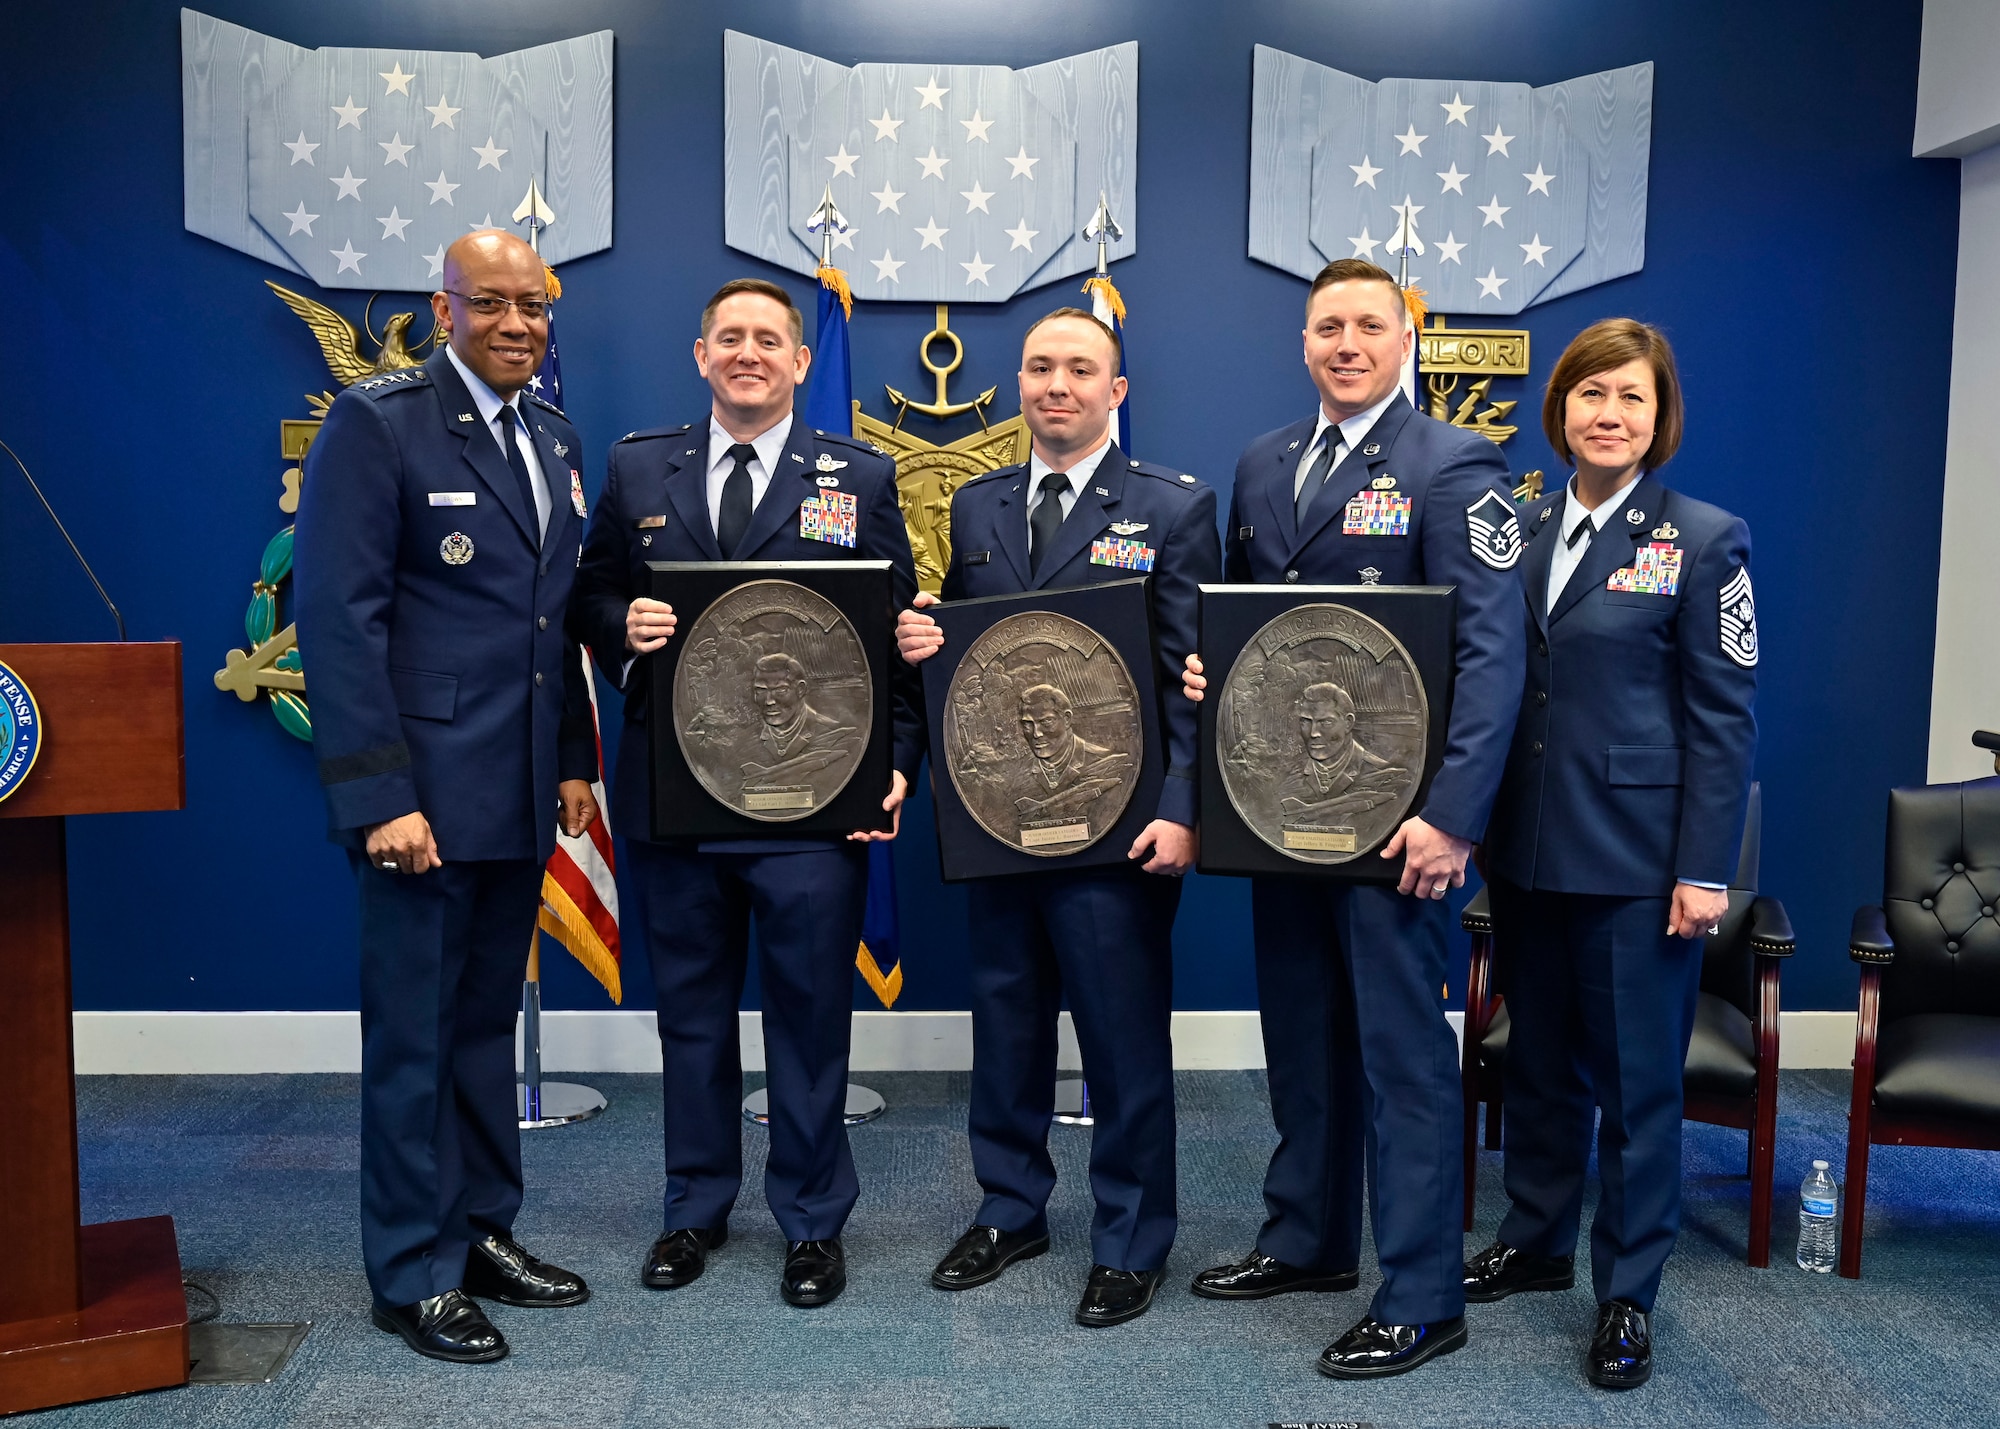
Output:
x,y
1367,491
1080,511
1619,821
437,539
732,489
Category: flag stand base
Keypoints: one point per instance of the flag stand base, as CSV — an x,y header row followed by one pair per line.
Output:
x,y
556,1104
1073,1103
862,1105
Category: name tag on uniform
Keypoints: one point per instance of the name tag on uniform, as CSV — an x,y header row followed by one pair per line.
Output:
x,y
1377,513
650,523
828,517
1125,555
978,558
1655,570
454,498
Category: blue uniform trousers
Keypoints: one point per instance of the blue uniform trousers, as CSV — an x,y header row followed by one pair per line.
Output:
x,y
1362,1064
1601,1000
698,909
1104,937
443,954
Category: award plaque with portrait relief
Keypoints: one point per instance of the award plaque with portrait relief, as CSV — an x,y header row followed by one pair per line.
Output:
x,y
1045,729
1324,724
768,712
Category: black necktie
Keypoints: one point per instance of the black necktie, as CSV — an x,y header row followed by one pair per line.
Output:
x,y
1585,529
733,516
508,418
1046,519
1316,475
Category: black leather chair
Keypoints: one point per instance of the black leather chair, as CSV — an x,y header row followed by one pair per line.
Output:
x,y
1927,1040
1731,1078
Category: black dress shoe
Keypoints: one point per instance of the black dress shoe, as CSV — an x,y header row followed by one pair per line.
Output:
x,y
496,1268
815,1272
679,1257
1500,1270
982,1253
444,1327
1111,1297
1258,1275
1372,1349
1621,1352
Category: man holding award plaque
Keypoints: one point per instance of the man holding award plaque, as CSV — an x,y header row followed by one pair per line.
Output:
x,y
1039,779
1360,1057
777,707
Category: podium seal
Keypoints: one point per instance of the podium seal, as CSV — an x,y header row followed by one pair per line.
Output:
x,y
20,732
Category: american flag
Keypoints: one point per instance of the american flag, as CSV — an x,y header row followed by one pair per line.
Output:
x,y
580,886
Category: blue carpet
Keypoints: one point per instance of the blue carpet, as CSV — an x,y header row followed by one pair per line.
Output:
x,y
259,1173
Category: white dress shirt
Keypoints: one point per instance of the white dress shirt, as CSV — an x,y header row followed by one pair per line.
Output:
x,y
490,407
1079,474
770,445
1567,556
1352,431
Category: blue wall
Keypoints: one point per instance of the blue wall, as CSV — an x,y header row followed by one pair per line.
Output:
x,y
1792,236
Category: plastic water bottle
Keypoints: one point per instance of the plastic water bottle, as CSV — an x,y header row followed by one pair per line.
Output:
x,y
1819,1210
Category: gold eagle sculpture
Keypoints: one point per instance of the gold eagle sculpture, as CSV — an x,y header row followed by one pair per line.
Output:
x,y
341,341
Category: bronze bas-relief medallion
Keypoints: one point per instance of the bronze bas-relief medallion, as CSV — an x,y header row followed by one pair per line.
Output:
x,y
1043,734
773,700
1321,734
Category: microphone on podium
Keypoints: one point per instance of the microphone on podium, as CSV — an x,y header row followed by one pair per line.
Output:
x,y
73,550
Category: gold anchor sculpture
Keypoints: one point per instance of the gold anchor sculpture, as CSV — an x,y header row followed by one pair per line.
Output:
x,y
927,474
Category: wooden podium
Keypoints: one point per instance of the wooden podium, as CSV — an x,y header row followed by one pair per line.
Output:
x,y
85,1311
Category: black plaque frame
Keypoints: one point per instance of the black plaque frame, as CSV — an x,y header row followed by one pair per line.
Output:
x,y
682,808
1423,618
1122,614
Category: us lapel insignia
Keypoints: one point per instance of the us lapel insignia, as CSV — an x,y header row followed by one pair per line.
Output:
x,y
1100,491
827,463
465,416
1665,531
1384,482
1128,528
1547,511
1293,447
799,459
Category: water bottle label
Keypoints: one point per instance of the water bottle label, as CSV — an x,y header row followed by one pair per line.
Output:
x,y
1813,1206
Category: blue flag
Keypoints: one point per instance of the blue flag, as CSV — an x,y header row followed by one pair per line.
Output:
x,y
830,408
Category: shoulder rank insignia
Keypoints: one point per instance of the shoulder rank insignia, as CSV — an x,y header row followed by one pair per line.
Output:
x,y
1665,531
1493,531
1188,479
1128,528
827,463
1739,620
1384,482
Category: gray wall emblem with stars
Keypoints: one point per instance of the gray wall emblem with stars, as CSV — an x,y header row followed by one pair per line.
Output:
x,y
358,167
1519,195
960,183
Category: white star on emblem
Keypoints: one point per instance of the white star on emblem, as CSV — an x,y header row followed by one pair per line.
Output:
x,y
975,128
932,96
932,165
1364,172
436,260
1493,209
932,235
1533,250
887,267
1489,286
1024,167
394,150
441,113
1538,182
1454,181
844,237
1449,248
843,162
394,224
1364,246
302,222
1412,142
1023,236
348,258
301,149
488,155
1497,142
441,189
350,114
486,222
888,199
885,127
976,271
536,382
349,186
975,197
1455,112
398,82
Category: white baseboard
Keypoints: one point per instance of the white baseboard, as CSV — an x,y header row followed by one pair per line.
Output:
x,y
251,1042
